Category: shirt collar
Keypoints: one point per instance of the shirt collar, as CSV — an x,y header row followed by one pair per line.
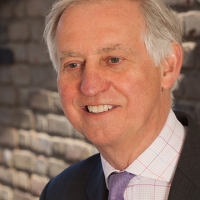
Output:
x,y
159,160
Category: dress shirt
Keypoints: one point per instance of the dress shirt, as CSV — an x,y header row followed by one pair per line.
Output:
x,y
155,167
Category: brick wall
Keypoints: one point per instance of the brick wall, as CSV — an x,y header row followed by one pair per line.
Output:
x,y
187,97
36,140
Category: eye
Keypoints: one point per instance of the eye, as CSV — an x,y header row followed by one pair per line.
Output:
x,y
114,60
73,65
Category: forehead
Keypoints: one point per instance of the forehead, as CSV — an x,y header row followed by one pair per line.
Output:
x,y
104,9
100,23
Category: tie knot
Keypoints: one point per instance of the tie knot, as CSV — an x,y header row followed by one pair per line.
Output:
x,y
117,184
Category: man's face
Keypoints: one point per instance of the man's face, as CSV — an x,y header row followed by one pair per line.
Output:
x,y
110,89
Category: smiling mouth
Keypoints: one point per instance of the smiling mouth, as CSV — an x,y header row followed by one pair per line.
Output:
x,y
99,109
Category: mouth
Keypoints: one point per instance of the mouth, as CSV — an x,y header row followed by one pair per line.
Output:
x,y
99,109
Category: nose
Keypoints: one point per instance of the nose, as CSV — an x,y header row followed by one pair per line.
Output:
x,y
94,81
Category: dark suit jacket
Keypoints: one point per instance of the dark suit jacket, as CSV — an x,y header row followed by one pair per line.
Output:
x,y
85,180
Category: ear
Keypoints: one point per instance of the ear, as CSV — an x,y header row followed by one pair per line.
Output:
x,y
171,66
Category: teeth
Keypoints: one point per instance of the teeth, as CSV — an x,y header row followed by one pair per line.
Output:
x,y
99,109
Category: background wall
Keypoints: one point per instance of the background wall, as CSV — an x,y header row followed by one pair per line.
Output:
x,y
36,140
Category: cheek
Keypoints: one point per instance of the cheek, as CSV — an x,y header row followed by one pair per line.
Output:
x,y
141,88
66,93
131,85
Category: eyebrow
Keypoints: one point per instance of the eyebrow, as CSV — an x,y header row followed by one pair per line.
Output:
x,y
67,54
112,47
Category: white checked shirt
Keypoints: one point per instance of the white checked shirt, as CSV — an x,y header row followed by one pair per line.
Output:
x,y
155,167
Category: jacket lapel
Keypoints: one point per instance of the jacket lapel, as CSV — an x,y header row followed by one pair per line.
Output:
x,y
182,188
96,188
186,181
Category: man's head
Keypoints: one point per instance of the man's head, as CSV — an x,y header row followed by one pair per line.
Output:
x,y
114,71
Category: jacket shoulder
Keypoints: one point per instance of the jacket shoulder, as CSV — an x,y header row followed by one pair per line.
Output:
x,y
72,181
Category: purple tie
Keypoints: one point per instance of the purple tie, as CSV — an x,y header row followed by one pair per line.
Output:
x,y
117,183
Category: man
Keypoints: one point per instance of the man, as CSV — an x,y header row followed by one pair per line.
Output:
x,y
117,63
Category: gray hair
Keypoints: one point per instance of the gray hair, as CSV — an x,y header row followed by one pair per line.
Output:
x,y
162,28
